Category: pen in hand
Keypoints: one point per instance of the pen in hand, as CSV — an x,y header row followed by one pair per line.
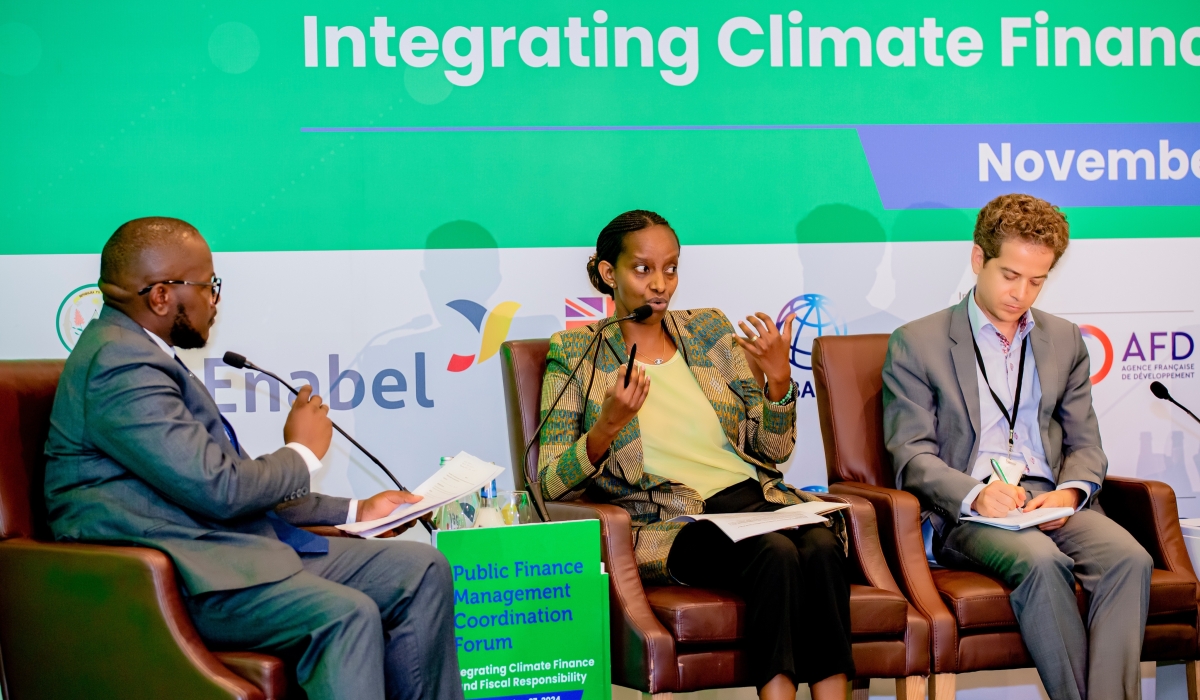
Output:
x,y
998,471
629,367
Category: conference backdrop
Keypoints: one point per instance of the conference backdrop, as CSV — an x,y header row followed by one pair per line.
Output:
x,y
392,190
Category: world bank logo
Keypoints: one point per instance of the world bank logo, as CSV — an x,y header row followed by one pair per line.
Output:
x,y
815,316
80,307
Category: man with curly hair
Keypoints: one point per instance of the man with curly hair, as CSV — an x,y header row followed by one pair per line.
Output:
x,y
988,409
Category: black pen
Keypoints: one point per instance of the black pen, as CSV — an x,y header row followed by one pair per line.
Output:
x,y
629,367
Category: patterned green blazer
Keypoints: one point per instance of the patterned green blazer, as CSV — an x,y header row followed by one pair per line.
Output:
x,y
763,434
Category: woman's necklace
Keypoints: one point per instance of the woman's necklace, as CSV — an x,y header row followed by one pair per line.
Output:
x,y
662,347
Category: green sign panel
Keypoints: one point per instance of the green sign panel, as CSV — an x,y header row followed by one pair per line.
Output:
x,y
530,611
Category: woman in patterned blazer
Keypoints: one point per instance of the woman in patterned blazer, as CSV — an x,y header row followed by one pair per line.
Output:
x,y
700,427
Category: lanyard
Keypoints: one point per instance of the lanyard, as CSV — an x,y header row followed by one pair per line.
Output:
x,y
1012,419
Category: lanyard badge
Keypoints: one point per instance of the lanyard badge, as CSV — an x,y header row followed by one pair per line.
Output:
x,y
1010,417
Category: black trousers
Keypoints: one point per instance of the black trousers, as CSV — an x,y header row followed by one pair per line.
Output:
x,y
794,583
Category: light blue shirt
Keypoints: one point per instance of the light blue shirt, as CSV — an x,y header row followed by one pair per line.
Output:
x,y
1002,360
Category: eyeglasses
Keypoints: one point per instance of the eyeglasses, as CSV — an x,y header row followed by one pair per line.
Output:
x,y
215,284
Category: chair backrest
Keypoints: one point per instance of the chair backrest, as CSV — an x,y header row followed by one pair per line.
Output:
x,y
524,366
26,395
848,371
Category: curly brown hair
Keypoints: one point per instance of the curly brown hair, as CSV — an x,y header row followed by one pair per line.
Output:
x,y
1032,219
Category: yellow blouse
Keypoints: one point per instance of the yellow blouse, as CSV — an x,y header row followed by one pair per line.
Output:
x,y
682,439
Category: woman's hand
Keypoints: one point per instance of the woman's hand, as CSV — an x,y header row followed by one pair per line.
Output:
x,y
768,350
621,404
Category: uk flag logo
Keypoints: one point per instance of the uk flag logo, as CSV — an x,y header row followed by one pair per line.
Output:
x,y
580,311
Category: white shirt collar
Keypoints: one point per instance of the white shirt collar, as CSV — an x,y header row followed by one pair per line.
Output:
x,y
161,343
980,322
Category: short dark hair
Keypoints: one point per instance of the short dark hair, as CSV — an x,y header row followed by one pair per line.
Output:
x,y
131,238
611,242
1022,216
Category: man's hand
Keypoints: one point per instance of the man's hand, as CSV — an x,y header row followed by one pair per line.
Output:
x,y
1066,498
382,504
308,423
997,499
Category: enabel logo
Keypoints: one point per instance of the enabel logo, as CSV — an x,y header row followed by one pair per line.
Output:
x,y
493,331
75,312
580,311
815,316
1106,344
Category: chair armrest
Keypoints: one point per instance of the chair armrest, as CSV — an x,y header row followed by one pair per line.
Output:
x,y
642,648
80,620
1147,509
898,518
865,550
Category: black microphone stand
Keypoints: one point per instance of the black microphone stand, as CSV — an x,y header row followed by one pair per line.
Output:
x,y
238,361
1160,391
638,314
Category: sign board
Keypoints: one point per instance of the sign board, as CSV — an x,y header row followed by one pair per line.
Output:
x,y
530,611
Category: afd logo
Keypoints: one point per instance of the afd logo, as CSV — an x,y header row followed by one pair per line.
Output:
x,y
1147,355
492,326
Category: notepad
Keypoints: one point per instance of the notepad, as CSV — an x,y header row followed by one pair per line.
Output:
x,y
1017,520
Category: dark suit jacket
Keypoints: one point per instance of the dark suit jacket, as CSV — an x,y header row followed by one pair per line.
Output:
x,y
931,407
137,455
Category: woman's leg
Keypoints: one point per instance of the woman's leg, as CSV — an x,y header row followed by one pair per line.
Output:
x,y
823,649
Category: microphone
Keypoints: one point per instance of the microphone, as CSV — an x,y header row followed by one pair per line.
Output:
x,y
237,361
639,314
1161,392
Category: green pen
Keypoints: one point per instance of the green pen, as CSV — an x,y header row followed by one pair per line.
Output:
x,y
999,472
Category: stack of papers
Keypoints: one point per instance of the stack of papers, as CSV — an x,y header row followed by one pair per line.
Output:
x,y
1018,520
460,476
740,526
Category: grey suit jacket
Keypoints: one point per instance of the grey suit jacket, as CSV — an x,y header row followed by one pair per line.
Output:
x,y
137,455
931,407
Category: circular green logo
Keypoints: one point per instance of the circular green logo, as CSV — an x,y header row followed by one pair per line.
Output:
x,y
80,307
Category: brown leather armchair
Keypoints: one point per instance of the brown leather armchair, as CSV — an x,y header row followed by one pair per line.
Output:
x,y
973,626
668,639
86,620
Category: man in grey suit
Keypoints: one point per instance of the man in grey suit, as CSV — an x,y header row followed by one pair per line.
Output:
x,y
138,453
951,423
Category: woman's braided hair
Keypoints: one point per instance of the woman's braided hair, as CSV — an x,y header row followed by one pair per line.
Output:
x,y
611,242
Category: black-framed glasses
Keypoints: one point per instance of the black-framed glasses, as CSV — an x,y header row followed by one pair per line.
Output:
x,y
215,284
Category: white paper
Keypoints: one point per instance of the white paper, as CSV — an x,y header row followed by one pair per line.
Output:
x,y
739,526
457,478
1021,520
814,507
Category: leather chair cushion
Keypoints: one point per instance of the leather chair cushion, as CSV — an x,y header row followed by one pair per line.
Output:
x,y
981,602
875,612
698,615
707,616
1171,593
977,601
266,672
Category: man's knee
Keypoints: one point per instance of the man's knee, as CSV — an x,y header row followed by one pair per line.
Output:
x,y
1043,564
1133,561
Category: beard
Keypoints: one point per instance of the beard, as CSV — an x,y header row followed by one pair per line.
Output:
x,y
183,333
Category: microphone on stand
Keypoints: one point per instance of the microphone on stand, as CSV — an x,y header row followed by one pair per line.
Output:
x,y
1161,392
639,314
240,362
